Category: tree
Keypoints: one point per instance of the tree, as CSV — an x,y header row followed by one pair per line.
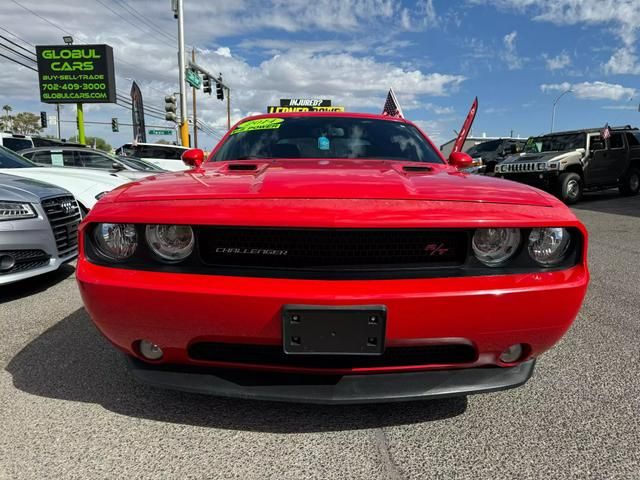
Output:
x,y
26,123
6,121
100,143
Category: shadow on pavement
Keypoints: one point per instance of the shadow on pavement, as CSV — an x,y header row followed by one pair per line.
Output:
x,y
38,284
72,361
610,201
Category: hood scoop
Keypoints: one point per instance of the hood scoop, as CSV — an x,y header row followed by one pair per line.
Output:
x,y
416,168
242,167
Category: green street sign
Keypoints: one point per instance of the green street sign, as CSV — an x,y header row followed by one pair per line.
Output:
x,y
193,78
160,132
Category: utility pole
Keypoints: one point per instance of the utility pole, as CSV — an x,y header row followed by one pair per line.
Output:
x,y
80,120
228,109
58,114
195,117
184,125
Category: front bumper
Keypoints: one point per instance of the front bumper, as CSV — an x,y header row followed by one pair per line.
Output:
x,y
543,180
30,235
345,389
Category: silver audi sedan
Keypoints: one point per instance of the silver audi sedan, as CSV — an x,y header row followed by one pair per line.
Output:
x,y
38,228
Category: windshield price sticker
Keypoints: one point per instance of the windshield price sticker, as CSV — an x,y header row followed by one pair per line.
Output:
x,y
261,124
76,74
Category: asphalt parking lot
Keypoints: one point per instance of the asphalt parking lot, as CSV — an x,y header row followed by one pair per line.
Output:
x,y
69,408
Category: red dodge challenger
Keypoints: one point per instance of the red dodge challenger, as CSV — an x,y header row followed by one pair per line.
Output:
x,y
331,258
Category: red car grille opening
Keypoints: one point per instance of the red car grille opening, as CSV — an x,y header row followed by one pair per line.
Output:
x,y
64,216
331,249
274,355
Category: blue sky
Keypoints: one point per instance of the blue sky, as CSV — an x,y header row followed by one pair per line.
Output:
x,y
515,55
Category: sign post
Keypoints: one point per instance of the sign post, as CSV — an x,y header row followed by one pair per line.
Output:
x,y
76,74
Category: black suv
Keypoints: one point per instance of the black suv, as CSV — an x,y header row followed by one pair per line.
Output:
x,y
568,163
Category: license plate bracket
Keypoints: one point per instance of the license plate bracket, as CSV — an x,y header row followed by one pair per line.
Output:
x,y
334,330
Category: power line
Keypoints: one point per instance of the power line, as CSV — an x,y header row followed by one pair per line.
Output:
x,y
144,19
19,63
42,18
128,21
16,44
16,52
16,36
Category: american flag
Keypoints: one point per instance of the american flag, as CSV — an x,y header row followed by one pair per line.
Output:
x,y
391,106
606,132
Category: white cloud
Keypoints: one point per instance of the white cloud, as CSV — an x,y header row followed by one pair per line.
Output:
x,y
510,54
558,62
592,90
623,61
621,14
223,52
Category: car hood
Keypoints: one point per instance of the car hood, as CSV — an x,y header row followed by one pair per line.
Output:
x,y
68,177
18,189
541,157
335,179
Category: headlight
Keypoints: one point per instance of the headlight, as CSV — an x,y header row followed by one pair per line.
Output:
x,y
494,246
170,242
549,246
116,241
16,211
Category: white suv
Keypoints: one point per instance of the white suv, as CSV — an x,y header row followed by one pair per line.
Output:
x,y
15,142
164,156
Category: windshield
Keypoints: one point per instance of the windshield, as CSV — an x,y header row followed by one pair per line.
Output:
x,y
555,143
10,159
326,137
16,144
484,147
139,164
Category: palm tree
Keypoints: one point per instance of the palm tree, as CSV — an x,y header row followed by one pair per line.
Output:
x,y
7,116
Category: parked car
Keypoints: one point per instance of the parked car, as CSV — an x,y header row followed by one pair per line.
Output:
x,y
79,157
569,163
168,157
331,258
38,228
86,185
54,142
488,154
14,141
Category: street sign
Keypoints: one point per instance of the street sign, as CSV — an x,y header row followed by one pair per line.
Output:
x,y
193,78
161,132
76,74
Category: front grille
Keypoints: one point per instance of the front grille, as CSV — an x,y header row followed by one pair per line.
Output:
x,y
25,260
331,249
64,216
392,357
522,167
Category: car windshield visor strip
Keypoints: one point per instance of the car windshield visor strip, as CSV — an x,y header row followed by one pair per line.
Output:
x,y
315,253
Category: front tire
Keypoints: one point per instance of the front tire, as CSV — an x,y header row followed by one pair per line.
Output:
x,y
630,183
570,188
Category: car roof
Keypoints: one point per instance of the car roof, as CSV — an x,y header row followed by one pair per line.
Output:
x,y
155,145
625,128
63,147
14,135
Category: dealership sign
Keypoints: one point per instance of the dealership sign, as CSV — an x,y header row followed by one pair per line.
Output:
x,y
303,105
76,74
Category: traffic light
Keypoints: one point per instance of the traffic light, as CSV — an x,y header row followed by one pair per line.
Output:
x,y
43,119
114,125
206,84
219,90
170,107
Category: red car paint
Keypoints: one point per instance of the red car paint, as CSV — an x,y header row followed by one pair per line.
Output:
x,y
176,309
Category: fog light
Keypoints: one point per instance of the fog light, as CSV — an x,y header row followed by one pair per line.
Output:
x,y
150,350
512,354
7,262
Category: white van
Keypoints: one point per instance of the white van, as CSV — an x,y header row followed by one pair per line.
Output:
x,y
164,156
15,142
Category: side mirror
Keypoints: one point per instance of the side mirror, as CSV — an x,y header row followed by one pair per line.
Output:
x,y
193,158
115,166
460,160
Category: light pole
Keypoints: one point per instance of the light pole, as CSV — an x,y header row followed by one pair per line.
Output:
x,y
553,111
184,126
